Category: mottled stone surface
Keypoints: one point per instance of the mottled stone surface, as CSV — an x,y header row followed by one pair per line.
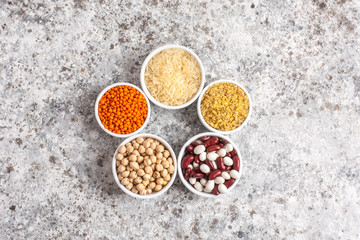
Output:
x,y
300,60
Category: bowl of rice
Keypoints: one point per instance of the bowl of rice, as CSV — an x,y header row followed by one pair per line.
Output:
x,y
172,76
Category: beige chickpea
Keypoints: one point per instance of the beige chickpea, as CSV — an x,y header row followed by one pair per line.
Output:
x,y
140,159
153,145
140,140
117,163
136,146
132,158
141,166
146,176
160,181
140,187
133,142
128,144
122,149
146,143
125,181
159,167
166,153
160,148
167,177
125,162
152,179
171,169
156,142
128,168
136,153
129,186
153,167
148,170
147,162
133,175
158,187
170,160
125,174
152,185
164,173
159,155
141,149
138,180
148,191
150,140
129,149
158,161
140,172
156,175
120,177
131,180
149,151
142,192
153,159
145,182
121,168
134,165
165,163
119,156
134,190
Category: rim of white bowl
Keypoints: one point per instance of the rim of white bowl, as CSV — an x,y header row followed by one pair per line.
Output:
x,y
97,110
202,120
151,55
154,194
182,153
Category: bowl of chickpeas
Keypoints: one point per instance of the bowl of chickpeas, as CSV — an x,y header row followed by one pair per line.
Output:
x,y
144,166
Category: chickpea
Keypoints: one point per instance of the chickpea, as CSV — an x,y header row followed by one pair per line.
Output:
x,y
159,155
166,153
158,187
140,159
140,140
145,182
134,190
153,145
170,160
147,162
142,166
171,169
132,158
133,175
142,192
146,143
140,172
128,168
164,183
149,151
158,161
165,164
159,167
167,178
153,167
119,156
160,148
131,180
153,159
121,168
151,185
148,169
125,174
164,173
125,181
133,141
136,153
156,142
122,149
125,162
160,181
134,165
138,180
129,186
140,187
156,174
129,149
150,140
136,146
146,176
120,177
148,191
141,149
117,163
152,179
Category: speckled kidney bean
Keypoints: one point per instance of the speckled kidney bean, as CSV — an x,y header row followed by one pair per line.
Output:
x,y
187,160
211,141
220,163
210,164
213,148
229,182
236,164
215,174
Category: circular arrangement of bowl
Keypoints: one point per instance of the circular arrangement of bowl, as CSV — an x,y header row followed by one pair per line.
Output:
x,y
216,130
154,194
182,153
142,80
97,110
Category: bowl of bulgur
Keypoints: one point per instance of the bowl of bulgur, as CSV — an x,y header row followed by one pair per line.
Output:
x,y
224,107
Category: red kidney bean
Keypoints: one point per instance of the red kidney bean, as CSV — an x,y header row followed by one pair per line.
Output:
x,y
236,164
197,169
211,141
187,160
224,141
221,145
190,148
198,175
205,138
187,173
228,155
220,163
214,174
215,190
227,168
233,153
229,182
210,164
183,171
197,160
213,148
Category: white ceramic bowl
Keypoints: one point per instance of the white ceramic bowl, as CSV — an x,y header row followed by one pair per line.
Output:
x,y
97,110
182,154
142,80
154,194
216,130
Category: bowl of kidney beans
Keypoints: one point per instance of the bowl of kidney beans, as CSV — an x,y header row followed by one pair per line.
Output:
x,y
209,164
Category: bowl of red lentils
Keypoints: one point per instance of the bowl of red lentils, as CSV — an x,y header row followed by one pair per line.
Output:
x,y
224,107
122,110
144,166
